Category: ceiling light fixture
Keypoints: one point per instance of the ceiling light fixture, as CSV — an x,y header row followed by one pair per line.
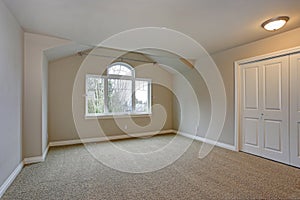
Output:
x,y
275,23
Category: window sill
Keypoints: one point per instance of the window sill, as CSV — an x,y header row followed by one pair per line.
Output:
x,y
117,116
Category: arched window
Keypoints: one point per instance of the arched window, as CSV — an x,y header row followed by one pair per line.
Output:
x,y
119,92
121,69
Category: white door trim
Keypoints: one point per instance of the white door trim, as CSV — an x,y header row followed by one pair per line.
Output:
x,y
237,84
280,53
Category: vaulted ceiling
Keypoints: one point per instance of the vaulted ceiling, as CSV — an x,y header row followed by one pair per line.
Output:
x,y
216,24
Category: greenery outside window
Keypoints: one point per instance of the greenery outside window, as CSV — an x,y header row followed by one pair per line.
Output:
x,y
117,93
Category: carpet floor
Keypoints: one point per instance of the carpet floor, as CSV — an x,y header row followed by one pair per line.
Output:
x,y
71,172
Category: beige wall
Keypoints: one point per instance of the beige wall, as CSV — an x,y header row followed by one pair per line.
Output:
x,y
33,101
225,61
192,106
62,74
11,69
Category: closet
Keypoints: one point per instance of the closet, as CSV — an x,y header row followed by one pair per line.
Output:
x,y
268,118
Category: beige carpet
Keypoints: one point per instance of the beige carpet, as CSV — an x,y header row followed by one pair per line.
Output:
x,y
71,172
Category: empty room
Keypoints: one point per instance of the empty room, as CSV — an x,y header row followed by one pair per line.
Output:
x,y
169,99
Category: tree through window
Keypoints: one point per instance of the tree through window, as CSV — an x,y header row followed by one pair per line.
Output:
x,y
119,92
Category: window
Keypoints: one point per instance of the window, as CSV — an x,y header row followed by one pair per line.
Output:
x,y
119,92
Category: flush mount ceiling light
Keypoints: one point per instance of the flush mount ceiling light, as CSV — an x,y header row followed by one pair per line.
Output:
x,y
275,23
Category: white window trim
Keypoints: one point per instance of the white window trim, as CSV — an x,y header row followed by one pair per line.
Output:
x,y
106,115
118,115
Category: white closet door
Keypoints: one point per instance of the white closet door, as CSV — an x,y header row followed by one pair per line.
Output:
x,y
264,104
251,108
275,109
295,109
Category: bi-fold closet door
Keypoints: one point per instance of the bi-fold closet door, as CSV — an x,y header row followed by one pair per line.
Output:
x,y
295,109
265,108
270,108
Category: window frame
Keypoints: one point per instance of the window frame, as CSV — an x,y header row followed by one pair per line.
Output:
x,y
122,64
105,78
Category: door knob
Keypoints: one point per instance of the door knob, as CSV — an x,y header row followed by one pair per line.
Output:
x,y
261,115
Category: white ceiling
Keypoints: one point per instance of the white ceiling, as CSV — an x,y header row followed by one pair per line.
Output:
x,y
216,24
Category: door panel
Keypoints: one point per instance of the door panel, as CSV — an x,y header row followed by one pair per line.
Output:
x,y
250,108
264,108
251,131
251,87
272,135
272,81
295,109
275,87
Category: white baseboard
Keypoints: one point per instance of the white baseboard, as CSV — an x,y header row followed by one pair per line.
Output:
x,y
208,141
36,159
10,179
108,138
31,160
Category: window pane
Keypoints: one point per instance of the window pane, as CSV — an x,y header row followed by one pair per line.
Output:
x,y
119,70
95,95
141,96
119,96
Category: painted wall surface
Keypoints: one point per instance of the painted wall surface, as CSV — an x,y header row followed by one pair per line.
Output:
x,y
192,109
225,62
62,74
34,46
44,103
11,69
184,109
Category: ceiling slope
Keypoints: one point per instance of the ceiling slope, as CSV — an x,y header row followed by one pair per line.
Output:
x,y
215,24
